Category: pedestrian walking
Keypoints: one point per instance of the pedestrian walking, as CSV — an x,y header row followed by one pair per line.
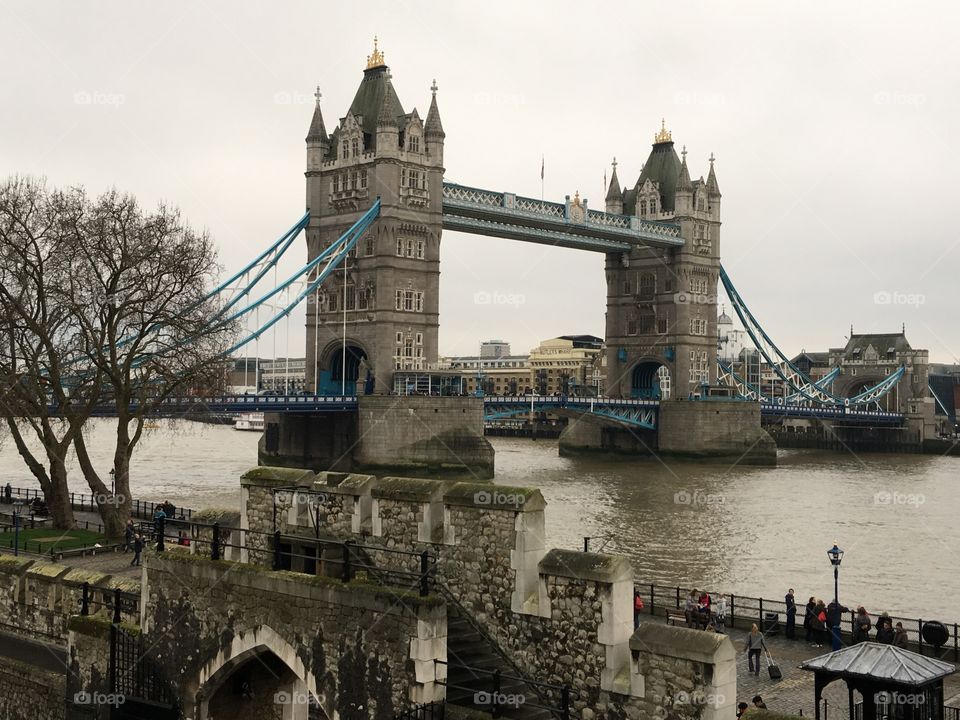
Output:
x,y
790,631
720,614
900,636
137,549
861,626
809,614
128,533
637,608
753,645
159,520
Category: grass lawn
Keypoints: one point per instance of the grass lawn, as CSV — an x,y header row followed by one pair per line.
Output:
x,y
42,540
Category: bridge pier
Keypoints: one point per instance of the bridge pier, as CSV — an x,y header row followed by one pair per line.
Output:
x,y
388,434
709,429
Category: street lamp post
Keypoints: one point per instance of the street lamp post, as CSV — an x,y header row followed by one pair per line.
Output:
x,y
836,556
16,528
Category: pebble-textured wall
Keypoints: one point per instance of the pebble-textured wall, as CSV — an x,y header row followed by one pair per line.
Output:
x,y
29,693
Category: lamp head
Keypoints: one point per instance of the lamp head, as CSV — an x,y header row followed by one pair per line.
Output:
x,y
836,555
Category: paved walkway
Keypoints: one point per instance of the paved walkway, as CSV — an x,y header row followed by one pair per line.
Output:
x,y
794,693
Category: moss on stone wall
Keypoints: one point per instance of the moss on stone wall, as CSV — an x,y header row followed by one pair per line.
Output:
x,y
268,475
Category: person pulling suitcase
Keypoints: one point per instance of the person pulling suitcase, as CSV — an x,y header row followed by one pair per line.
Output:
x,y
772,667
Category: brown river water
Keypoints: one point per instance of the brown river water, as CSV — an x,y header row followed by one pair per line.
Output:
x,y
747,530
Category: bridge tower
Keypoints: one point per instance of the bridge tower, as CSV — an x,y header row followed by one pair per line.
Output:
x,y
379,311
661,303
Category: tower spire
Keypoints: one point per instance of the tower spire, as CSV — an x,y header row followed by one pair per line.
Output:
x,y
375,59
712,187
317,131
683,182
613,190
433,127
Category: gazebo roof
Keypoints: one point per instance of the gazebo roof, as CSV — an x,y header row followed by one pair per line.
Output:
x,y
883,663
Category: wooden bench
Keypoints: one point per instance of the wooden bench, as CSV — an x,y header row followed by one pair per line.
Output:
x,y
677,618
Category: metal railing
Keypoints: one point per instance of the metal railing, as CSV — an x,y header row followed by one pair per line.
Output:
x,y
88,502
428,711
98,597
493,697
742,610
346,560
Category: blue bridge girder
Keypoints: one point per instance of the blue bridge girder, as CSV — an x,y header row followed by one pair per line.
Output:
x,y
245,404
503,214
635,413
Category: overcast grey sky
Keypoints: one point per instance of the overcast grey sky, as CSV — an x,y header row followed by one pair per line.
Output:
x,y
833,124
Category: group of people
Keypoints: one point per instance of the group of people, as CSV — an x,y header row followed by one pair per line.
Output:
x,y
757,703
821,620
703,612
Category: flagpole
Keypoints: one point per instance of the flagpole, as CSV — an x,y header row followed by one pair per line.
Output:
x,y
541,178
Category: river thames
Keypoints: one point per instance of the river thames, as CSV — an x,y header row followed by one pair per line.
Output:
x,y
748,530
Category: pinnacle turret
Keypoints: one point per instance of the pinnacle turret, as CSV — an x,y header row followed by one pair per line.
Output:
x,y
613,191
712,187
317,131
683,181
433,127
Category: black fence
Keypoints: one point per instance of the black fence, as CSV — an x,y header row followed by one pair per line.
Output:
x,y
771,616
119,603
346,560
493,699
429,711
88,502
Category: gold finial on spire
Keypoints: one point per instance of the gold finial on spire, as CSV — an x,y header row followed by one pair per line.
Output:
x,y
375,59
576,199
664,135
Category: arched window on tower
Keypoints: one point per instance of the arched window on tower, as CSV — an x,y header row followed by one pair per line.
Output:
x,y
653,206
643,207
345,149
355,147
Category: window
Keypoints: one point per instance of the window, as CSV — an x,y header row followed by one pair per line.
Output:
x,y
368,245
648,286
701,205
332,302
400,246
698,367
698,283
355,147
344,154
420,247
399,305
363,179
662,326
419,301
653,206
698,326
363,299
631,326
643,207
419,338
350,298
410,244
399,338
647,322
403,177
413,143
626,286
414,178
408,300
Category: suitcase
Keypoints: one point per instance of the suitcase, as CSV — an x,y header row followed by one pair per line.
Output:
x,y
772,667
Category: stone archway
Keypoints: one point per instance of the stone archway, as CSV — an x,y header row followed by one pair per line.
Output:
x,y
340,368
259,674
650,379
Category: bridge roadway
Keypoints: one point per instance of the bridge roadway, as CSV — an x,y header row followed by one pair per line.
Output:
x,y
634,412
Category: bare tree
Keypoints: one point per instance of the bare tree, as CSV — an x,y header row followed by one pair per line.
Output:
x,y
41,392
114,312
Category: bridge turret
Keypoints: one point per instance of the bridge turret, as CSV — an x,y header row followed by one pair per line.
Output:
x,y
433,129
614,199
318,143
388,131
683,199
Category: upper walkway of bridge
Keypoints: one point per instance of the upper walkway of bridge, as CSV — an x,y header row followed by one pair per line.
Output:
x,y
569,224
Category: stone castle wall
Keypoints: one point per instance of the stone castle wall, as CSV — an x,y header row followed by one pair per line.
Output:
x,y
319,625
30,693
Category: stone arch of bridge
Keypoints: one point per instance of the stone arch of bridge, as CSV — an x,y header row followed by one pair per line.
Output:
x,y
650,379
341,366
260,652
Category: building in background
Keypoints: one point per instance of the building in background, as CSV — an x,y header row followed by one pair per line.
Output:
x,y
494,349
253,375
565,364
731,340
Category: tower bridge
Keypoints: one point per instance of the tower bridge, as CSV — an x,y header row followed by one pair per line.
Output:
x,y
377,204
